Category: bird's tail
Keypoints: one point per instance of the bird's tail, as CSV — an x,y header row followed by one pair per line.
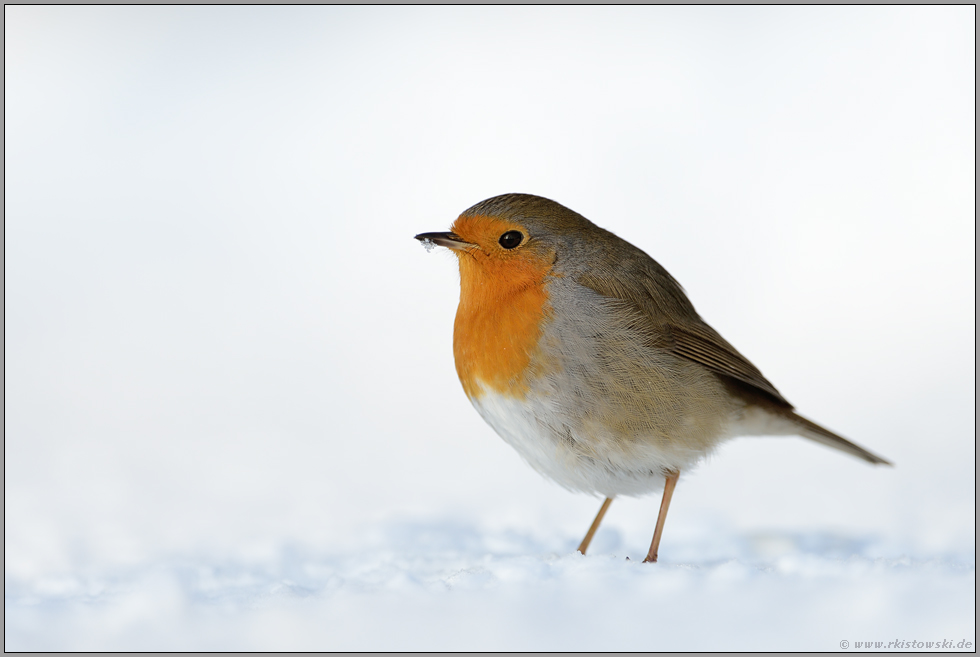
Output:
x,y
817,433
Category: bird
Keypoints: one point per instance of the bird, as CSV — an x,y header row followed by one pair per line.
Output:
x,y
587,357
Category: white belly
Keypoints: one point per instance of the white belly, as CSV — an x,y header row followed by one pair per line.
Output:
x,y
558,448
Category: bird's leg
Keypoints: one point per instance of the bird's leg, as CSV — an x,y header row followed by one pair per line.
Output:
x,y
669,483
595,525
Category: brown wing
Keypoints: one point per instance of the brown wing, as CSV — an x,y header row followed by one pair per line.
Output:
x,y
674,324
702,344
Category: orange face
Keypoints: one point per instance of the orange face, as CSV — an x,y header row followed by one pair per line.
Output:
x,y
502,305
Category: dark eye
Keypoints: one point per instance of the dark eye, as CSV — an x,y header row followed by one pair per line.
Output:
x,y
510,239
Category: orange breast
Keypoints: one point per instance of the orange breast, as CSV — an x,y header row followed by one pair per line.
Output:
x,y
502,306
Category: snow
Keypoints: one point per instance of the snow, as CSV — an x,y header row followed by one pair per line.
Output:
x,y
232,419
450,586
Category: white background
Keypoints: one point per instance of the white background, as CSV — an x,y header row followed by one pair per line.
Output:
x,y
231,414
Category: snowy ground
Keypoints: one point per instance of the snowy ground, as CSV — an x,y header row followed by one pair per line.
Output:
x,y
231,416
459,587
777,561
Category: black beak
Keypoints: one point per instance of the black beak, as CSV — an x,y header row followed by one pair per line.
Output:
x,y
448,240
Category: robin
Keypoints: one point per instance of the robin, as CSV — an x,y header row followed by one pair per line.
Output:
x,y
587,357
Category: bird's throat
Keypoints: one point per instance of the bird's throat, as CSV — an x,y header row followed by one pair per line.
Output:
x,y
502,308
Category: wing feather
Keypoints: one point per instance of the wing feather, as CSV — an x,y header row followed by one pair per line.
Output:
x,y
673,324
